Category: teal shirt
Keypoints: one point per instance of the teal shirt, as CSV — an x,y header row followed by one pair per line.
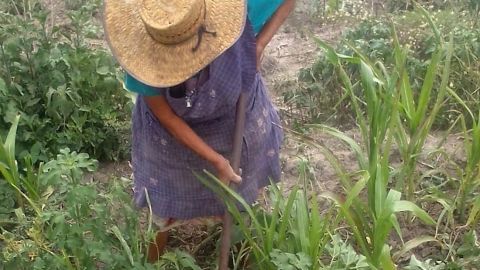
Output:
x,y
259,12
133,85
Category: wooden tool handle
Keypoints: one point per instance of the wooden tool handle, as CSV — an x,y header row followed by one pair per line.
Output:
x,y
235,163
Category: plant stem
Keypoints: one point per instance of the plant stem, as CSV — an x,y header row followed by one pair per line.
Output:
x,y
7,67
30,65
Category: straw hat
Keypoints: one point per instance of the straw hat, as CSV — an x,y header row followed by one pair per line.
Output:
x,y
164,42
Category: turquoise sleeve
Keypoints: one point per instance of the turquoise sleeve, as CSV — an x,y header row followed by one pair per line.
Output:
x,y
133,85
260,11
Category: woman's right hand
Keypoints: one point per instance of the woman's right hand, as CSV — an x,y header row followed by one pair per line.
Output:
x,y
183,133
225,172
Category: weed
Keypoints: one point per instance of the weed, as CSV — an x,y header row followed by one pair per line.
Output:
x,y
66,92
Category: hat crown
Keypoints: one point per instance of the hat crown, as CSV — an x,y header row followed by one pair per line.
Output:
x,y
172,21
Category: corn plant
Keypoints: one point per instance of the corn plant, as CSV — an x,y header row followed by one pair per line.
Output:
x,y
468,173
292,235
415,121
26,188
371,222
470,179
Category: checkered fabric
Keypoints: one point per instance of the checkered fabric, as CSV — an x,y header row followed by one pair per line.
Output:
x,y
164,168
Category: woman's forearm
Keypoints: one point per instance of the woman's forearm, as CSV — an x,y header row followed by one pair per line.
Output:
x,y
275,22
181,131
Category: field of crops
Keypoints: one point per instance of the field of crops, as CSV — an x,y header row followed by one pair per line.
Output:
x,y
381,158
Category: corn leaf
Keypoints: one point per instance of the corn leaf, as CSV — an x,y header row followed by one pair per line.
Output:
x,y
357,150
402,206
302,221
357,188
425,94
414,243
10,141
386,259
473,216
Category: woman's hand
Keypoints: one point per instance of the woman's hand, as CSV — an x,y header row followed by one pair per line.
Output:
x,y
225,172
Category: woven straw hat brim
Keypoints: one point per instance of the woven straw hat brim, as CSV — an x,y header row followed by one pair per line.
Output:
x,y
161,65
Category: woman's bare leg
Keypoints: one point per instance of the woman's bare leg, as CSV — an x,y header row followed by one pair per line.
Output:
x,y
157,248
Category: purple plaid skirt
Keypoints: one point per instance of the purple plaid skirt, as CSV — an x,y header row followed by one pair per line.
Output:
x,y
164,169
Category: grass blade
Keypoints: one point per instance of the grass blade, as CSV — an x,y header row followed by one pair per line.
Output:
x,y
126,248
426,14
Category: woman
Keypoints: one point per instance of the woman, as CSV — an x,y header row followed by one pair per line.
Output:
x,y
189,61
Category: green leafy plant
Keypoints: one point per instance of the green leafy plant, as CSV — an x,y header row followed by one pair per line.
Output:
x,y
344,256
288,261
416,264
60,221
66,91
469,252
177,260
